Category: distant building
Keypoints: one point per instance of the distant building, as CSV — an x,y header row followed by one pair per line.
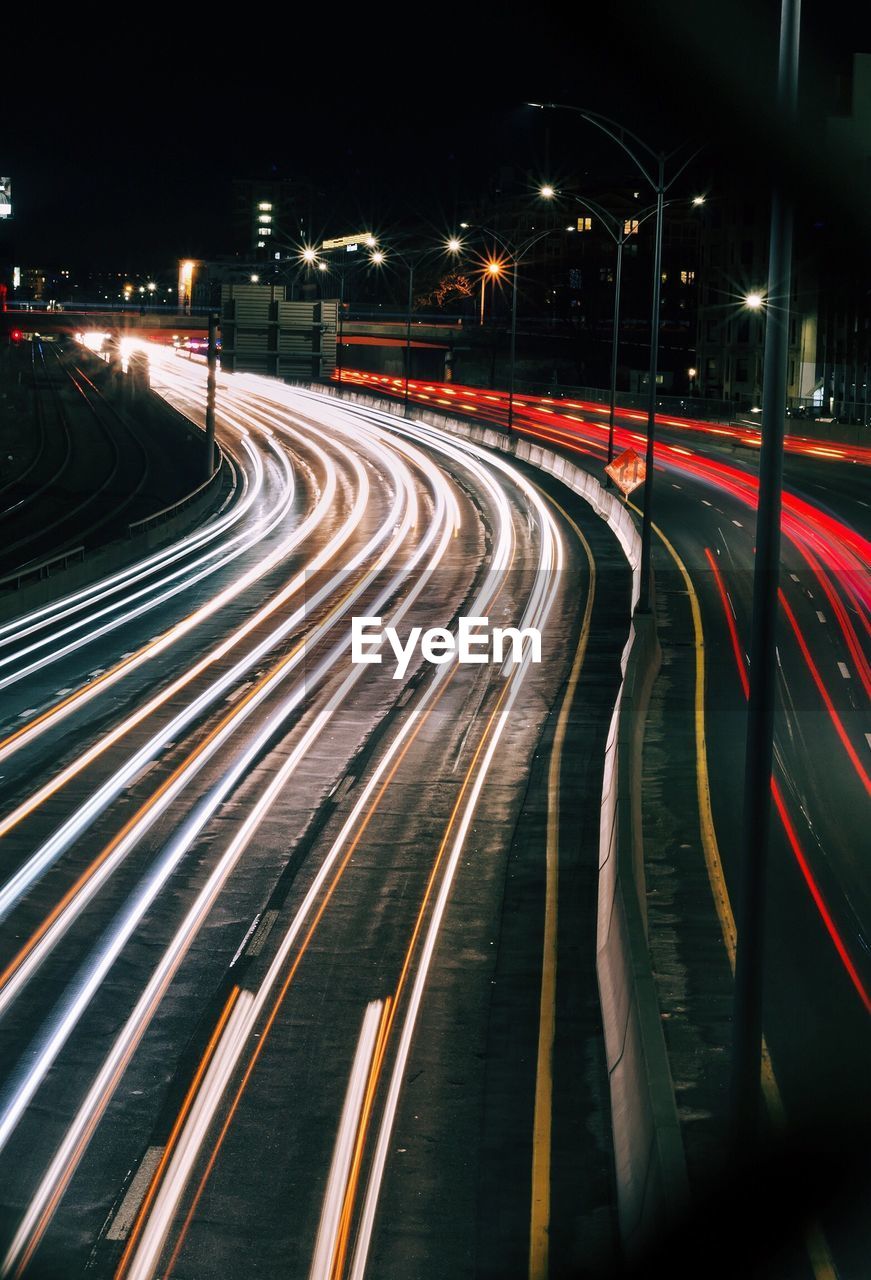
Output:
x,y
830,307
730,331
844,329
270,216
567,279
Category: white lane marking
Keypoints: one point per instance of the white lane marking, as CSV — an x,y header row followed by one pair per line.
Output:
x,y
676,486
868,740
844,670
340,1168
738,523
126,1215
238,691
794,577
213,1085
821,615
258,942
705,503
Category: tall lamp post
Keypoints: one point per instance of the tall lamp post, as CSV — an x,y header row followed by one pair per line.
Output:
x,y
493,269
410,259
750,915
620,230
651,165
312,258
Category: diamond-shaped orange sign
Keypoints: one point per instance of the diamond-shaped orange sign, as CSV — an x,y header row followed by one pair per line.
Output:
x,y
627,471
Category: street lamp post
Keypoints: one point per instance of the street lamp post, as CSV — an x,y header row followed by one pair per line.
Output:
x,y
652,169
516,254
750,914
309,255
211,383
410,259
617,230
407,363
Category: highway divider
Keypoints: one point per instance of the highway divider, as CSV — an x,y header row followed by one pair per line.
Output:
x,y
650,1166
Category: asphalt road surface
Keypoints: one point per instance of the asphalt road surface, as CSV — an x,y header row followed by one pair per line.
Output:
x,y
818,946
297,971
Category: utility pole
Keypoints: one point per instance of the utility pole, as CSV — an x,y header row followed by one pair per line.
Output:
x,y
513,345
211,382
645,595
750,915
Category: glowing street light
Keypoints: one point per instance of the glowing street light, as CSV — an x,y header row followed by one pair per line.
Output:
x,y
753,301
651,164
410,259
620,230
255,279
309,255
698,200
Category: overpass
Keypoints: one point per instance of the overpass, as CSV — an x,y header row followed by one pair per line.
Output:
x,y
161,326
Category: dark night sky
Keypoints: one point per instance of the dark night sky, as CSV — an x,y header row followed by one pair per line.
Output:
x,y
122,138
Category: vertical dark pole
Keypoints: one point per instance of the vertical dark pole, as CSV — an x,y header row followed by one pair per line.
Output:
x,y
408,333
615,346
513,344
211,381
750,914
645,597
341,321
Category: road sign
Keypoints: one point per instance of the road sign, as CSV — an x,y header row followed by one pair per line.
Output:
x,y
343,242
627,471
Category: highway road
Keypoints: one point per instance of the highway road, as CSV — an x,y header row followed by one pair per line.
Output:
x,y
818,956
281,932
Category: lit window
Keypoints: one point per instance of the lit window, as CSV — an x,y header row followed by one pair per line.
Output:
x,y
687,277
264,217
630,227
261,244
265,207
585,224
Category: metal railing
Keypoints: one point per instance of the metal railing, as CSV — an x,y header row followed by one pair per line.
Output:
x,y
679,406
42,570
167,513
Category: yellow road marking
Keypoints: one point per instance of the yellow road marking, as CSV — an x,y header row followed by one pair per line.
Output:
x,y
817,1248
539,1227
